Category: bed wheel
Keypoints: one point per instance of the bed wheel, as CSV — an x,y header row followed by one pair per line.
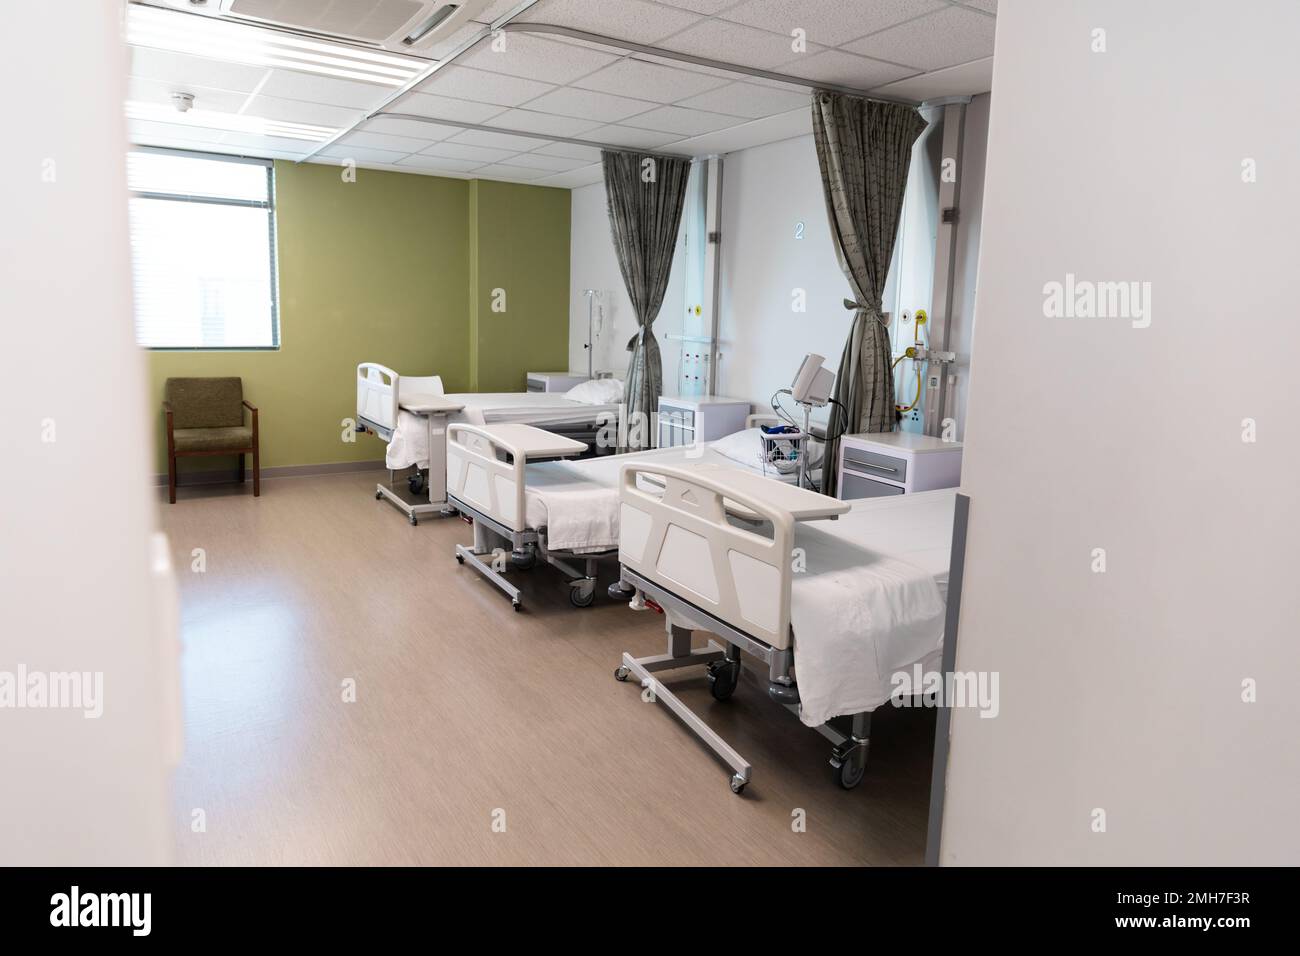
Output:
x,y
416,483
737,784
621,673
583,595
723,678
523,560
849,773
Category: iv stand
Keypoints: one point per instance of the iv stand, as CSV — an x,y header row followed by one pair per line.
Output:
x,y
590,346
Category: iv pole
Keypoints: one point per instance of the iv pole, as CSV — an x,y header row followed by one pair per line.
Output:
x,y
590,346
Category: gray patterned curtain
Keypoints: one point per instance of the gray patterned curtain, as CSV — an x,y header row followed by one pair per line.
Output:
x,y
645,195
864,148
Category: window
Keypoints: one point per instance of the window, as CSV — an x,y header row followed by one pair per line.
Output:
x,y
202,251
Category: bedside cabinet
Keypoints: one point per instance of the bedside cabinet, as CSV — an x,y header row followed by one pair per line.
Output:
x,y
896,463
553,381
686,419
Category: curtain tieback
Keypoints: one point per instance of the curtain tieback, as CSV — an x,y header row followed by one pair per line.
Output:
x,y
874,311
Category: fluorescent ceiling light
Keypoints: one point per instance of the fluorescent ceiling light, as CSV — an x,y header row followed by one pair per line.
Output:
x,y
257,46
229,122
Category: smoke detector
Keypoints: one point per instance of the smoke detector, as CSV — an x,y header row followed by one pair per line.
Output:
x,y
184,102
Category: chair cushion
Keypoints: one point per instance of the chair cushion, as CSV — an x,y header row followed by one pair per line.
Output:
x,y
214,439
205,402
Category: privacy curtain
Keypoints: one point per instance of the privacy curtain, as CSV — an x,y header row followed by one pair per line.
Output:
x,y
864,149
646,194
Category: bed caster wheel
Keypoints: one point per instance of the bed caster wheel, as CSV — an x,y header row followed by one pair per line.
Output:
x,y
583,595
849,773
414,520
460,558
517,604
416,484
621,673
723,677
737,784
523,560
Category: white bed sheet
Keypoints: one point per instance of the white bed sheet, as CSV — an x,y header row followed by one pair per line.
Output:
x,y
871,602
528,408
577,502
410,442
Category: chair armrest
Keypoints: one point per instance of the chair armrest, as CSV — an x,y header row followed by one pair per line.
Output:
x,y
252,408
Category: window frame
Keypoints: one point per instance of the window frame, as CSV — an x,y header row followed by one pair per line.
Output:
x,y
268,205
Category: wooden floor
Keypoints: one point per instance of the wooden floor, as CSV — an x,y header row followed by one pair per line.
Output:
x,y
465,709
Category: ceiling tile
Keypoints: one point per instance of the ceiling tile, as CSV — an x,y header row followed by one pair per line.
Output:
x,y
586,176
829,22
372,140
414,129
649,81
945,38
569,150
630,138
708,7
555,164
988,6
255,145
495,10
463,151
749,100
160,92
588,104
964,80
550,123
509,173
444,107
735,43
536,58
466,83
440,164
297,111
677,119
361,154
196,70
149,133
478,137
324,89
846,69
632,20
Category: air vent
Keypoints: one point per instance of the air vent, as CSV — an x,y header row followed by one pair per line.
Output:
x,y
372,22
431,23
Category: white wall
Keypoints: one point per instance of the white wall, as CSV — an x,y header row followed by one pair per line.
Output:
x,y
767,191
594,265
1122,691
76,506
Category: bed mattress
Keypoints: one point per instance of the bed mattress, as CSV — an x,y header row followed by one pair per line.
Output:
x,y
529,408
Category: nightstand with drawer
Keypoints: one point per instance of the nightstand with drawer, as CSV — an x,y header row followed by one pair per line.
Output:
x,y
686,419
896,463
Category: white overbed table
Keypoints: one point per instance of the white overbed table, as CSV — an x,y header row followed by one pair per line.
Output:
x,y
435,409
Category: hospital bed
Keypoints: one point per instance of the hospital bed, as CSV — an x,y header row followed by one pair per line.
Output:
x,y
850,602
410,413
525,504
384,401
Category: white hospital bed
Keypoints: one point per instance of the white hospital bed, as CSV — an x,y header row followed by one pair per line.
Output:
x,y
385,402
850,602
563,511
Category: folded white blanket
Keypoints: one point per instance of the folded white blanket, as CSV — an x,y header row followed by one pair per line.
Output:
x,y
410,442
869,603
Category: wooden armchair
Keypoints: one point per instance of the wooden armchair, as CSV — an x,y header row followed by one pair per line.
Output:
x,y
205,416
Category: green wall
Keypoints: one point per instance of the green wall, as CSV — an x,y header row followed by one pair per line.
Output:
x,y
385,269
515,247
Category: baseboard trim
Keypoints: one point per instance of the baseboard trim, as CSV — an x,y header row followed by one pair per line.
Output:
x,y
230,475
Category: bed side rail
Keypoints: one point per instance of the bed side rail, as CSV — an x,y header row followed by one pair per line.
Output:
x,y
377,391
477,475
681,539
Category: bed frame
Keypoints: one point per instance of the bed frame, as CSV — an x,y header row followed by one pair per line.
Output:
x,y
714,552
485,481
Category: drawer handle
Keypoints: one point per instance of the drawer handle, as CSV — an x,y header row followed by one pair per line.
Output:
x,y
867,464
